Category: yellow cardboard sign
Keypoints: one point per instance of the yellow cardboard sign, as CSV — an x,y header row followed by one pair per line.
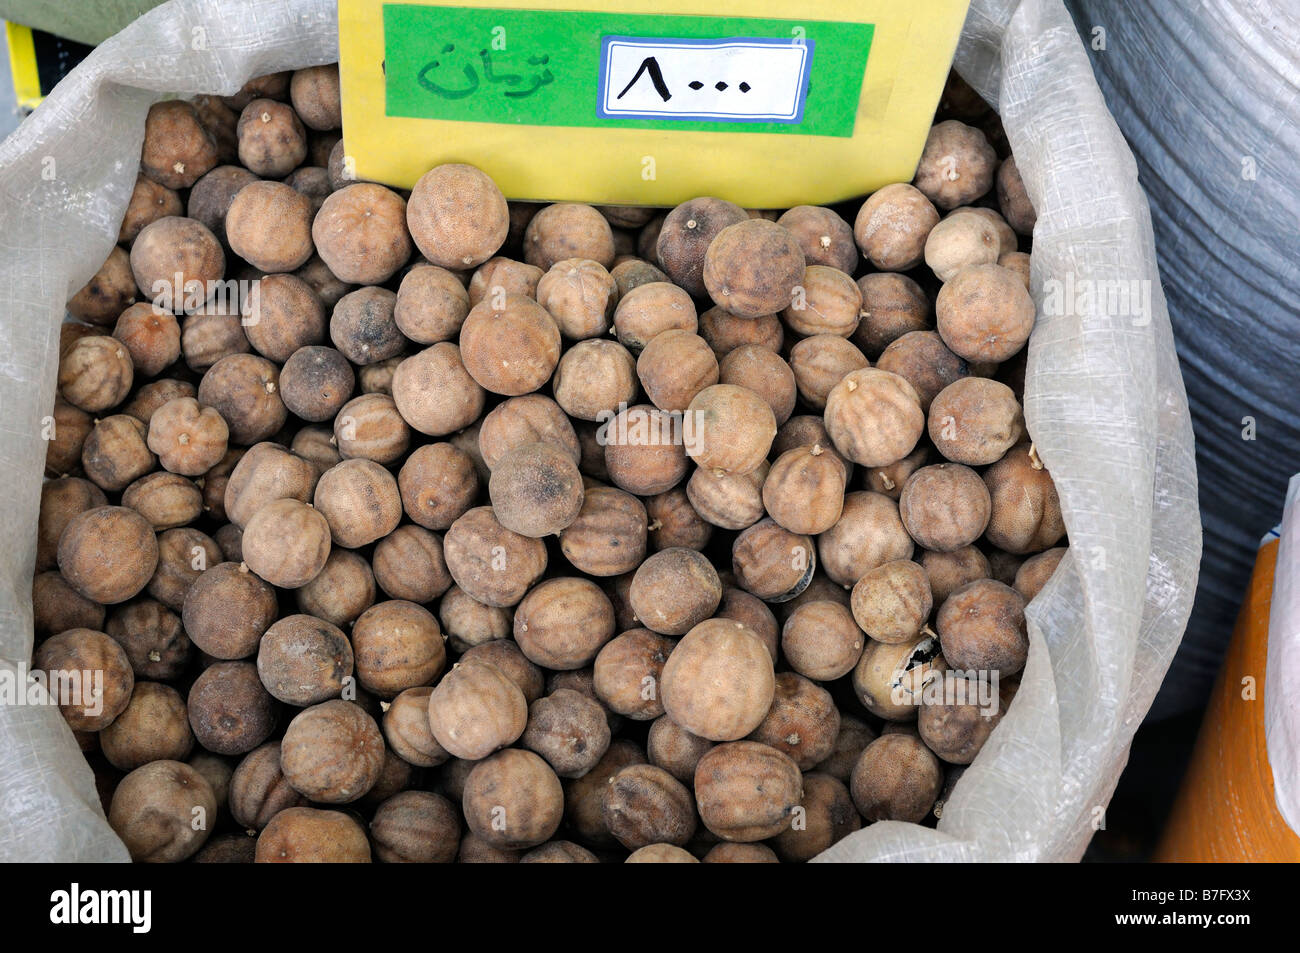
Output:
x,y
650,104
22,65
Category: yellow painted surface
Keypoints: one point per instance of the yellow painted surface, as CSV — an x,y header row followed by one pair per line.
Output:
x,y
910,56
22,63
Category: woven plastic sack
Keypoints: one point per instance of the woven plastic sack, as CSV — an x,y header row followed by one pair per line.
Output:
x,y
1282,678
1103,399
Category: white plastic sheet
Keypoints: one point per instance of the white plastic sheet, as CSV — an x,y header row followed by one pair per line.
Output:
x,y
1104,402
1282,674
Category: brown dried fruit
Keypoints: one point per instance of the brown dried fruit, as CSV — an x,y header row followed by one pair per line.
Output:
x,y
568,230
332,753
829,816
563,622
949,571
569,730
826,239
1035,571
892,305
301,835
822,641
151,335
580,296
892,226
227,609
869,532
956,165
397,645
747,791
408,565
188,439
476,709
177,148
314,92
1026,512
674,591
718,682
802,723
628,671
245,390
438,484
827,301
725,332
258,789
115,453
685,235
874,417
644,805
536,490
150,202
889,679
982,628
154,808
773,563
892,602
753,267
945,506
1013,198
342,591
649,310
230,712
153,727
416,827
183,555
804,490
272,141
491,563
95,373
303,660
108,554
645,449
360,233
431,305
177,263
513,799
267,472
984,313
959,242
820,362
96,665
360,501
512,349
166,500
896,779
763,371
733,429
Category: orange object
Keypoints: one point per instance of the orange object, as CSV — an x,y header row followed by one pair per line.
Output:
x,y
1225,811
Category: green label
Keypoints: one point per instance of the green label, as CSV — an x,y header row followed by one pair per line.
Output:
x,y
634,71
